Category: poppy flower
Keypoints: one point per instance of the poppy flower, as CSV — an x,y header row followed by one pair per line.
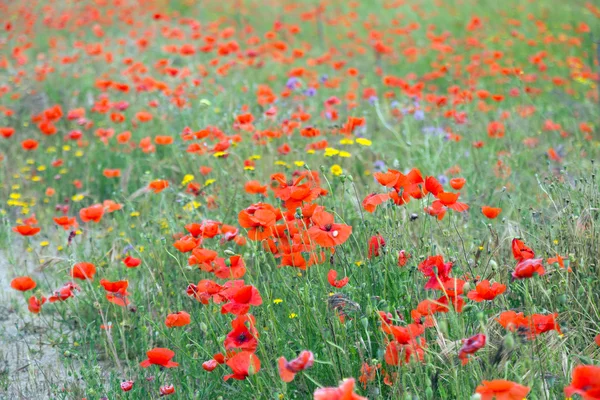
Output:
x,y
585,382
166,390
597,339
490,212
512,320
259,219
471,346
210,365
325,232
484,291
344,392
457,183
159,356
526,268
521,251
29,144
126,386
64,293
23,283
436,270
67,223
376,243
131,262
373,200
241,336
403,257
83,271
34,304
158,185
26,230
331,278
501,389
255,187
92,213
241,300
243,364
289,369
178,319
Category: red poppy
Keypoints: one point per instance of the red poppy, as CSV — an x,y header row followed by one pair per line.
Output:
x,y
26,230
241,300
243,364
376,243
501,389
23,283
259,219
34,304
65,222
92,213
166,390
243,334
484,291
83,271
232,268
521,251
158,185
490,212
159,356
178,319
331,278
457,183
471,346
403,257
436,270
131,262
373,200
585,382
126,386
325,232
526,268
289,369
344,392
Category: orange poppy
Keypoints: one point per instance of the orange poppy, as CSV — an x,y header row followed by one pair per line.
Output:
x,y
243,364
457,183
23,283
92,213
344,392
178,319
585,382
325,232
83,271
491,212
501,389
289,369
161,357
112,173
131,262
158,185
26,230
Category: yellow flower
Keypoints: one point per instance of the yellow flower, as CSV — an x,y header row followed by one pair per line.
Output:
x,y
66,147
555,241
41,168
336,170
36,178
191,205
330,152
310,151
15,187
187,179
277,301
51,149
59,248
344,154
299,163
358,263
77,197
363,142
346,141
282,163
30,161
79,153
14,196
141,249
44,243
255,157
209,182
248,168
135,214
292,315
220,154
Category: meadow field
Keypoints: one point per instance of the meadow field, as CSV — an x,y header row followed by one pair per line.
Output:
x,y
298,199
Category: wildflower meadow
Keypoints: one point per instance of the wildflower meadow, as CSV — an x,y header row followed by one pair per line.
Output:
x,y
300,199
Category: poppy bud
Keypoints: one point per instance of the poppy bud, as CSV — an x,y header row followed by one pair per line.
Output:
x,y
509,342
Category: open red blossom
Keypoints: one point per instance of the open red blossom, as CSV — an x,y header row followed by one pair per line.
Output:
x,y
92,213
243,334
471,346
344,392
521,251
178,319
331,278
83,271
436,270
23,283
161,357
486,291
289,369
241,300
501,389
585,382
26,230
325,232
373,200
34,304
528,267
243,364
131,262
